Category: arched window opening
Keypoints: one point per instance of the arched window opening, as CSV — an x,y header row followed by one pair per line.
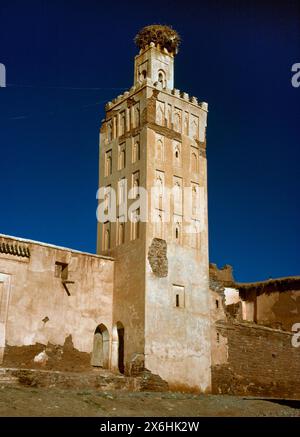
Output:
x,y
162,78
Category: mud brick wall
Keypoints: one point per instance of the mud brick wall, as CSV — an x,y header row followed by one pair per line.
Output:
x,y
260,362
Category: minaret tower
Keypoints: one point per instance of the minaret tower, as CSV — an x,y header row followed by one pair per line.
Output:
x,y
155,136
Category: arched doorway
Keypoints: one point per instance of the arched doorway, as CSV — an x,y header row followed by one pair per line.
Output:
x,y
120,329
117,348
100,355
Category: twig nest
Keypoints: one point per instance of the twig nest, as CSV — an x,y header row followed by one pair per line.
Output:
x,y
162,36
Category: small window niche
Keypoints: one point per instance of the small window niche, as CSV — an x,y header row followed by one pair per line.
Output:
x,y
61,270
135,185
121,230
135,150
122,156
135,224
178,296
106,236
108,163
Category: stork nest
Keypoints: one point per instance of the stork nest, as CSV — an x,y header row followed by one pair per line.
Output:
x,y
163,35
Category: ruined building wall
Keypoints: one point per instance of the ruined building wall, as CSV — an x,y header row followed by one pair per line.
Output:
x,y
37,310
279,309
250,358
260,361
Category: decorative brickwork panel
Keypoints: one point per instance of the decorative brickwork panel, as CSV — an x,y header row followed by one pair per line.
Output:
x,y
15,249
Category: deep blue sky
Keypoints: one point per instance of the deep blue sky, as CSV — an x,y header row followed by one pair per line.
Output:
x,y
237,56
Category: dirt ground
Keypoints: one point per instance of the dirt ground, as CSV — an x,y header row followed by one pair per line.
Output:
x,y
28,401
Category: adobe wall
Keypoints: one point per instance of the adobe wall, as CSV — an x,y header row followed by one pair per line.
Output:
x,y
37,311
253,358
279,309
259,361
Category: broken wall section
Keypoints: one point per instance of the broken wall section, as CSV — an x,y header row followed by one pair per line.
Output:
x,y
252,350
260,362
